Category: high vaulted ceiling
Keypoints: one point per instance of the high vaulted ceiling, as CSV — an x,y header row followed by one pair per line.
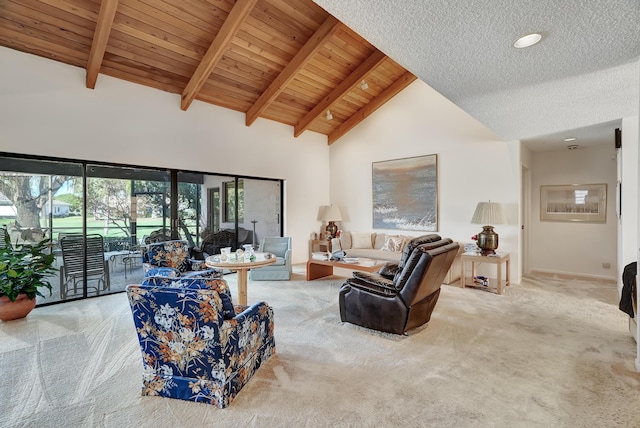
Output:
x,y
283,60
464,49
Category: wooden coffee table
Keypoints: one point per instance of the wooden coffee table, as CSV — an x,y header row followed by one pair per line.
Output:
x,y
321,268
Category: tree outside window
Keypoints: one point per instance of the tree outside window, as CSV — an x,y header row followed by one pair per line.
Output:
x,y
230,201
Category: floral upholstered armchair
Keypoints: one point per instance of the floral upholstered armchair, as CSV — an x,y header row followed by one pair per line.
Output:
x,y
195,344
171,259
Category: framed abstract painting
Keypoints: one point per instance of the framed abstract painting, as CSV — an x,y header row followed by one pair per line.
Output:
x,y
405,194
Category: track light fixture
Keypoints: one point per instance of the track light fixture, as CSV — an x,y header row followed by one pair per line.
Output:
x,y
364,85
329,116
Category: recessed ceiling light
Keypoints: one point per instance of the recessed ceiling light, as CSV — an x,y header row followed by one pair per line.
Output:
x,y
566,140
528,40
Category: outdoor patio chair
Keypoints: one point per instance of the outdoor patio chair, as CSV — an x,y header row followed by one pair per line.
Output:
x,y
3,236
72,269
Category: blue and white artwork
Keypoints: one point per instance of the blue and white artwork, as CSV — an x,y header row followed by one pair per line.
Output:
x,y
405,194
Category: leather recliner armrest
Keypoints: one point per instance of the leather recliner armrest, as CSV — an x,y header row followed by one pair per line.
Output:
x,y
389,270
379,286
374,278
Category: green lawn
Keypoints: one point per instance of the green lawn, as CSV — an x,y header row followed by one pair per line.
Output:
x,y
74,225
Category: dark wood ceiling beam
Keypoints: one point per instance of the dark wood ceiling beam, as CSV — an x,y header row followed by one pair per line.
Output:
x,y
100,39
328,28
373,61
227,32
395,88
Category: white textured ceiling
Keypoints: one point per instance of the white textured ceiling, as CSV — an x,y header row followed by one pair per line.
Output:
x,y
588,136
464,48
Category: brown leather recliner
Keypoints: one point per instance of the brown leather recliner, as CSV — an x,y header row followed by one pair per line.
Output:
x,y
398,304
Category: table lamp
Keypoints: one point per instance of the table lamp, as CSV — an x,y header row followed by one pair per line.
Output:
x,y
488,213
331,214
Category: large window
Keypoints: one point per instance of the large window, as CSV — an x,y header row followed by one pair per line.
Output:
x,y
100,217
40,199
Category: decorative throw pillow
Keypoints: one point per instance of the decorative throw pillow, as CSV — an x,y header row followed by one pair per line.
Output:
x,y
361,240
184,266
393,243
198,265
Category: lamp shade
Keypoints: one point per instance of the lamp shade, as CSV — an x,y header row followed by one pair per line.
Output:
x,y
488,213
330,213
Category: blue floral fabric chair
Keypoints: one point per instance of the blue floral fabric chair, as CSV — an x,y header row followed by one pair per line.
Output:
x,y
193,347
171,259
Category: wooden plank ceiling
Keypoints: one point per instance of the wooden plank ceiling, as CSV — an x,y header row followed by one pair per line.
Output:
x,y
283,60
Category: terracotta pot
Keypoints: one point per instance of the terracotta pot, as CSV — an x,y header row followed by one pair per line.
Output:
x,y
13,310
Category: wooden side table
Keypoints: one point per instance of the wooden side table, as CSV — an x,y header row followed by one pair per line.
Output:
x,y
242,268
318,245
498,259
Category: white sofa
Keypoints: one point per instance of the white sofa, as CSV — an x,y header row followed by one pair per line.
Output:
x,y
383,246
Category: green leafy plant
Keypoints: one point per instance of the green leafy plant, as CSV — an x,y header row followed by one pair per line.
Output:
x,y
23,268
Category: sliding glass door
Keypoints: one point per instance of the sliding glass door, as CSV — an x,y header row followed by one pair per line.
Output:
x,y
100,217
126,206
41,199
238,211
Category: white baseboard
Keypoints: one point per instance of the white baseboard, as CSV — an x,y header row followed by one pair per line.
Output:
x,y
573,275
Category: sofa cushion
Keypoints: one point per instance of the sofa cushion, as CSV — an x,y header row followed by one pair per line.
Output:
x,y
373,254
361,240
345,240
378,240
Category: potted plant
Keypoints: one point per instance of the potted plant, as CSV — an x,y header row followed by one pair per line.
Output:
x,y
23,269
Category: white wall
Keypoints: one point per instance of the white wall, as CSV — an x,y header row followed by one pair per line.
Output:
x,y
46,110
473,165
629,178
574,248
526,162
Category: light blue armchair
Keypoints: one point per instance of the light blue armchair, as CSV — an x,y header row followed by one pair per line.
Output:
x,y
195,344
281,269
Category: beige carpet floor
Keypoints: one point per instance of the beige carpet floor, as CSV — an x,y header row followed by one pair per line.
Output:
x,y
548,353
